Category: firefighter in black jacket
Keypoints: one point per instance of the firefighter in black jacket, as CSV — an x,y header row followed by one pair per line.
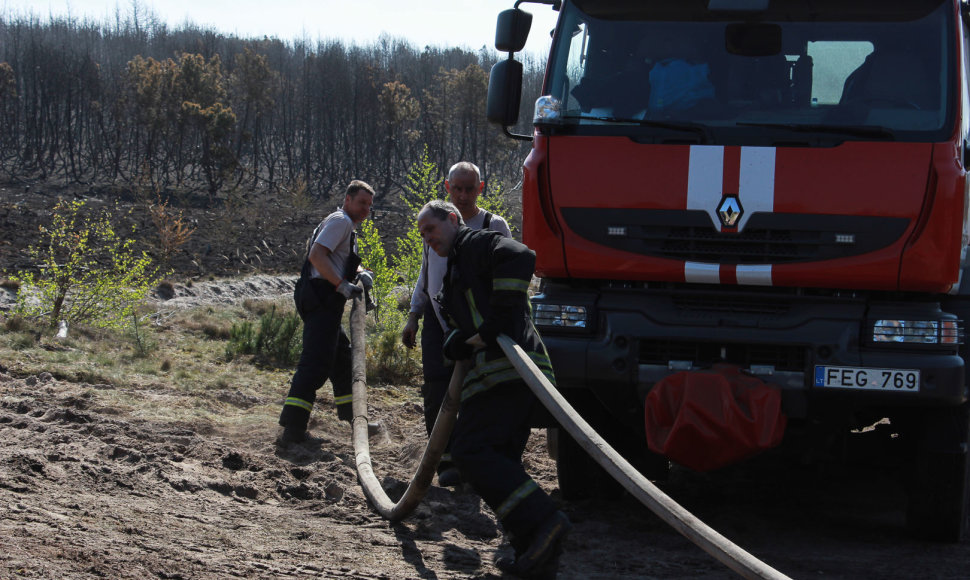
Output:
x,y
484,295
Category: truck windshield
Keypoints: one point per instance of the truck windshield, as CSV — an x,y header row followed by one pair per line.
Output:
x,y
869,69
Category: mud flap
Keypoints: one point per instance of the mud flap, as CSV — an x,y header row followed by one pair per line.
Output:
x,y
710,419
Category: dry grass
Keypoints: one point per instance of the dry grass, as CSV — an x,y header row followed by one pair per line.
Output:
x,y
181,375
183,352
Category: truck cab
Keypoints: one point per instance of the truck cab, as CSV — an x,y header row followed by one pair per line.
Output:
x,y
775,185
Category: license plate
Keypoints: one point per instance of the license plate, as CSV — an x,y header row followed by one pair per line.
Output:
x,y
868,379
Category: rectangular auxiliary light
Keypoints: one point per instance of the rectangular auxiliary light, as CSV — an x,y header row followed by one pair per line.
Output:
x,y
917,331
560,315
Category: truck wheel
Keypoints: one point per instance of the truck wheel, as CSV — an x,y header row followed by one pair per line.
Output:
x,y
655,467
939,494
579,476
937,509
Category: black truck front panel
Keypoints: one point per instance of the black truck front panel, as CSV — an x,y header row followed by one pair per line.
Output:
x,y
635,336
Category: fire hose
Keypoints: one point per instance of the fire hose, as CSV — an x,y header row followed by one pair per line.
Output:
x,y
437,440
685,523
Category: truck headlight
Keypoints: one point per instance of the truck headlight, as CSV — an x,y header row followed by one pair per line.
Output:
x,y
560,316
548,109
917,331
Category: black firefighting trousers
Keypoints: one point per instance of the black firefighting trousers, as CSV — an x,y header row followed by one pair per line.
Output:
x,y
489,437
326,354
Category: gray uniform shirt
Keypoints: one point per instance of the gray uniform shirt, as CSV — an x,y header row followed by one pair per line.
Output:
x,y
335,236
433,267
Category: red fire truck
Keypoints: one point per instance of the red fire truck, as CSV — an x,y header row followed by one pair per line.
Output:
x,y
774,185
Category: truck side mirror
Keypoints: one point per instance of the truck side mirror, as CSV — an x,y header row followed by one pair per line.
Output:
x,y
512,30
504,92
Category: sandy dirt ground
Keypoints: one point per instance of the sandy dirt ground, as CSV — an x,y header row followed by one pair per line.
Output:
x,y
87,492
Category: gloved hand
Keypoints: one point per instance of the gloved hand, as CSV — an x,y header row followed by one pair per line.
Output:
x,y
476,342
409,334
369,303
367,277
455,347
348,290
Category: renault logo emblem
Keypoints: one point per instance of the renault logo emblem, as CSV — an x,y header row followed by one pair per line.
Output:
x,y
730,210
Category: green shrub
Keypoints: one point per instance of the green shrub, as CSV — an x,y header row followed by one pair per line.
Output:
x,y
23,340
421,186
277,342
143,345
15,324
374,258
87,273
387,360
242,340
495,201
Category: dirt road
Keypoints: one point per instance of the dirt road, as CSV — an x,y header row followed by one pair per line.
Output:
x,y
87,492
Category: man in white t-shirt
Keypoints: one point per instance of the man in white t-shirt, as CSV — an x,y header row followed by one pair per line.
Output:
x,y
464,185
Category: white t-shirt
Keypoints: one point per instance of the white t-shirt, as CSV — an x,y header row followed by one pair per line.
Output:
x,y
335,236
433,267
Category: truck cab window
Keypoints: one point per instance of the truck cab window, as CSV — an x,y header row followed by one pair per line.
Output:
x,y
644,67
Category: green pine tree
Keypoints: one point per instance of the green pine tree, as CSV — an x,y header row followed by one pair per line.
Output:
x,y
422,185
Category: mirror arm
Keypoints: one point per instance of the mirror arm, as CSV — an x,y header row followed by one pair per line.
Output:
x,y
556,4
516,136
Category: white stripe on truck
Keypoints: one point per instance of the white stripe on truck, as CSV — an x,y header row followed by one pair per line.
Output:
x,y
700,273
705,180
757,183
750,275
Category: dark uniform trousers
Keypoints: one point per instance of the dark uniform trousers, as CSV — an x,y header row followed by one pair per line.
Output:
x,y
326,354
437,375
489,439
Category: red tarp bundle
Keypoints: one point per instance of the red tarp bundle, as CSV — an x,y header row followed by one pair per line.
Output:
x,y
708,419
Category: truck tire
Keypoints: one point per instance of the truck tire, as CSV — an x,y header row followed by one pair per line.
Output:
x,y
580,477
937,509
939,491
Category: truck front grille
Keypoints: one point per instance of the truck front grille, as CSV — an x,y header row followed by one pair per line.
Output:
x,y
752,246
717,304
768,238
792,358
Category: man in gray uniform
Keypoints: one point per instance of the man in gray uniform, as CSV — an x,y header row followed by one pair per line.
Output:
x,y
326,350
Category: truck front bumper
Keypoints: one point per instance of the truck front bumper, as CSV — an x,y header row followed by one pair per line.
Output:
x,y
636,337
